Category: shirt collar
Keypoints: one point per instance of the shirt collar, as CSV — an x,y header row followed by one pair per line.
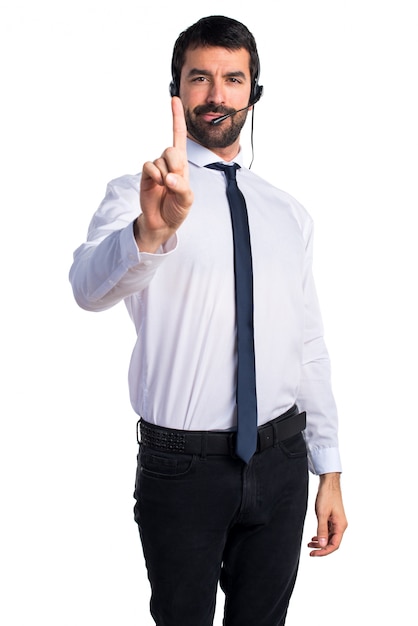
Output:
x,y
201,156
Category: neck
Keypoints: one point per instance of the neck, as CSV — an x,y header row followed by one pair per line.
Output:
x,y
225,154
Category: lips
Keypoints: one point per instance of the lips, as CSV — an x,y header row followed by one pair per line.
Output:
x,y
209,113
208,117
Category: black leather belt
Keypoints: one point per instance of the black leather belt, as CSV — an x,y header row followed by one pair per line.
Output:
x,y
219,442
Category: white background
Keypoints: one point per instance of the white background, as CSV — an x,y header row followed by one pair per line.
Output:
x,y
85,99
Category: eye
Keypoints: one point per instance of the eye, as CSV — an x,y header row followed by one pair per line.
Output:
x,y
234,80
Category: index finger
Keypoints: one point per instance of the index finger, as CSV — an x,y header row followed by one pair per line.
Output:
x,y
179,124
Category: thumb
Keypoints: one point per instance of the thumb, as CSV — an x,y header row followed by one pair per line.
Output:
x,y
322,534
178,185
171,180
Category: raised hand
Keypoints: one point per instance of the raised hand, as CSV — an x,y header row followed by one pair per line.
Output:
x,y
165,194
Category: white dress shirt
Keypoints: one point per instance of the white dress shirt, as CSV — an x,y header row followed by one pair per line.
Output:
x,y
181,300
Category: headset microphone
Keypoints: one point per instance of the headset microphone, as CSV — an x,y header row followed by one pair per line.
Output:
x,y
218,120
256,95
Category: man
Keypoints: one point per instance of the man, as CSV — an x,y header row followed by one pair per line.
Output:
x,y
208,507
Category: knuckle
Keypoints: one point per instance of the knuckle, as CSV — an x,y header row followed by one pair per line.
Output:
x,y
169,153
159,162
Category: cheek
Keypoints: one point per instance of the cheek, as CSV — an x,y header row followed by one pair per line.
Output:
x,y
191,97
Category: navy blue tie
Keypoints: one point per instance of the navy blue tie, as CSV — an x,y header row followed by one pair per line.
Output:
x,y
246,390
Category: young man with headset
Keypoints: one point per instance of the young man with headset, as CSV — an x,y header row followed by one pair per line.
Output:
x,y
221,488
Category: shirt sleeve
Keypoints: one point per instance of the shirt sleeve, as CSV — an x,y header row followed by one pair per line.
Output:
x,y
109,267
315,392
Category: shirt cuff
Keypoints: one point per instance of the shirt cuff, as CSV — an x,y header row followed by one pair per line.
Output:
x,y
136,257
324,461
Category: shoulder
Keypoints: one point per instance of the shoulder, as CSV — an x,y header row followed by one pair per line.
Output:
x,y
120,201
125,183
121,191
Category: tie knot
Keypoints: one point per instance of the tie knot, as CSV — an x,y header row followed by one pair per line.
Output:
x,y
230,170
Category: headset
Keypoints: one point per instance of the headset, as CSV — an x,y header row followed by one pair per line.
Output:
x,y
256,93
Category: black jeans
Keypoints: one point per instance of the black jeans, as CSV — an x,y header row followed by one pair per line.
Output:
x,y
209,519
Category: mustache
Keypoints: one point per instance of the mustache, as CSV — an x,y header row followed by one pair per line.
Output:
x,y
202,109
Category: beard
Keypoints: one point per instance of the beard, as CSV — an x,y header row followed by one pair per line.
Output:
x,y
214,136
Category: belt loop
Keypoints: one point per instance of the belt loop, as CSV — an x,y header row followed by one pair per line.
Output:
x,y
232,444
204,446
274,426
138,436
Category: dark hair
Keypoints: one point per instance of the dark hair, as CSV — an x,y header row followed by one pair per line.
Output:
x,y
215,30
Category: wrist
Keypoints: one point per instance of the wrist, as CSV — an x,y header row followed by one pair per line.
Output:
x,y
147,241
330,479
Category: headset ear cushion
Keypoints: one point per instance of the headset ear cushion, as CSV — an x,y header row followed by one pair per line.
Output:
x,y
173,89
257,93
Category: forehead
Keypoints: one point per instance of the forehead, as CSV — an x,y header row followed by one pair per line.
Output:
x,y
215,59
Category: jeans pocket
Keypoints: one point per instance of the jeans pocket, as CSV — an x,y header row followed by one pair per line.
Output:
x,y
294,447
164,465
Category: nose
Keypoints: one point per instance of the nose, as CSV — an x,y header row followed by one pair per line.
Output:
x,y
216,93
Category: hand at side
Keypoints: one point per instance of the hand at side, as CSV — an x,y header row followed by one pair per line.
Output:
x,y
332,521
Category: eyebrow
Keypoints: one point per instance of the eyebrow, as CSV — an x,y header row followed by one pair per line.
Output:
x,y
196,72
